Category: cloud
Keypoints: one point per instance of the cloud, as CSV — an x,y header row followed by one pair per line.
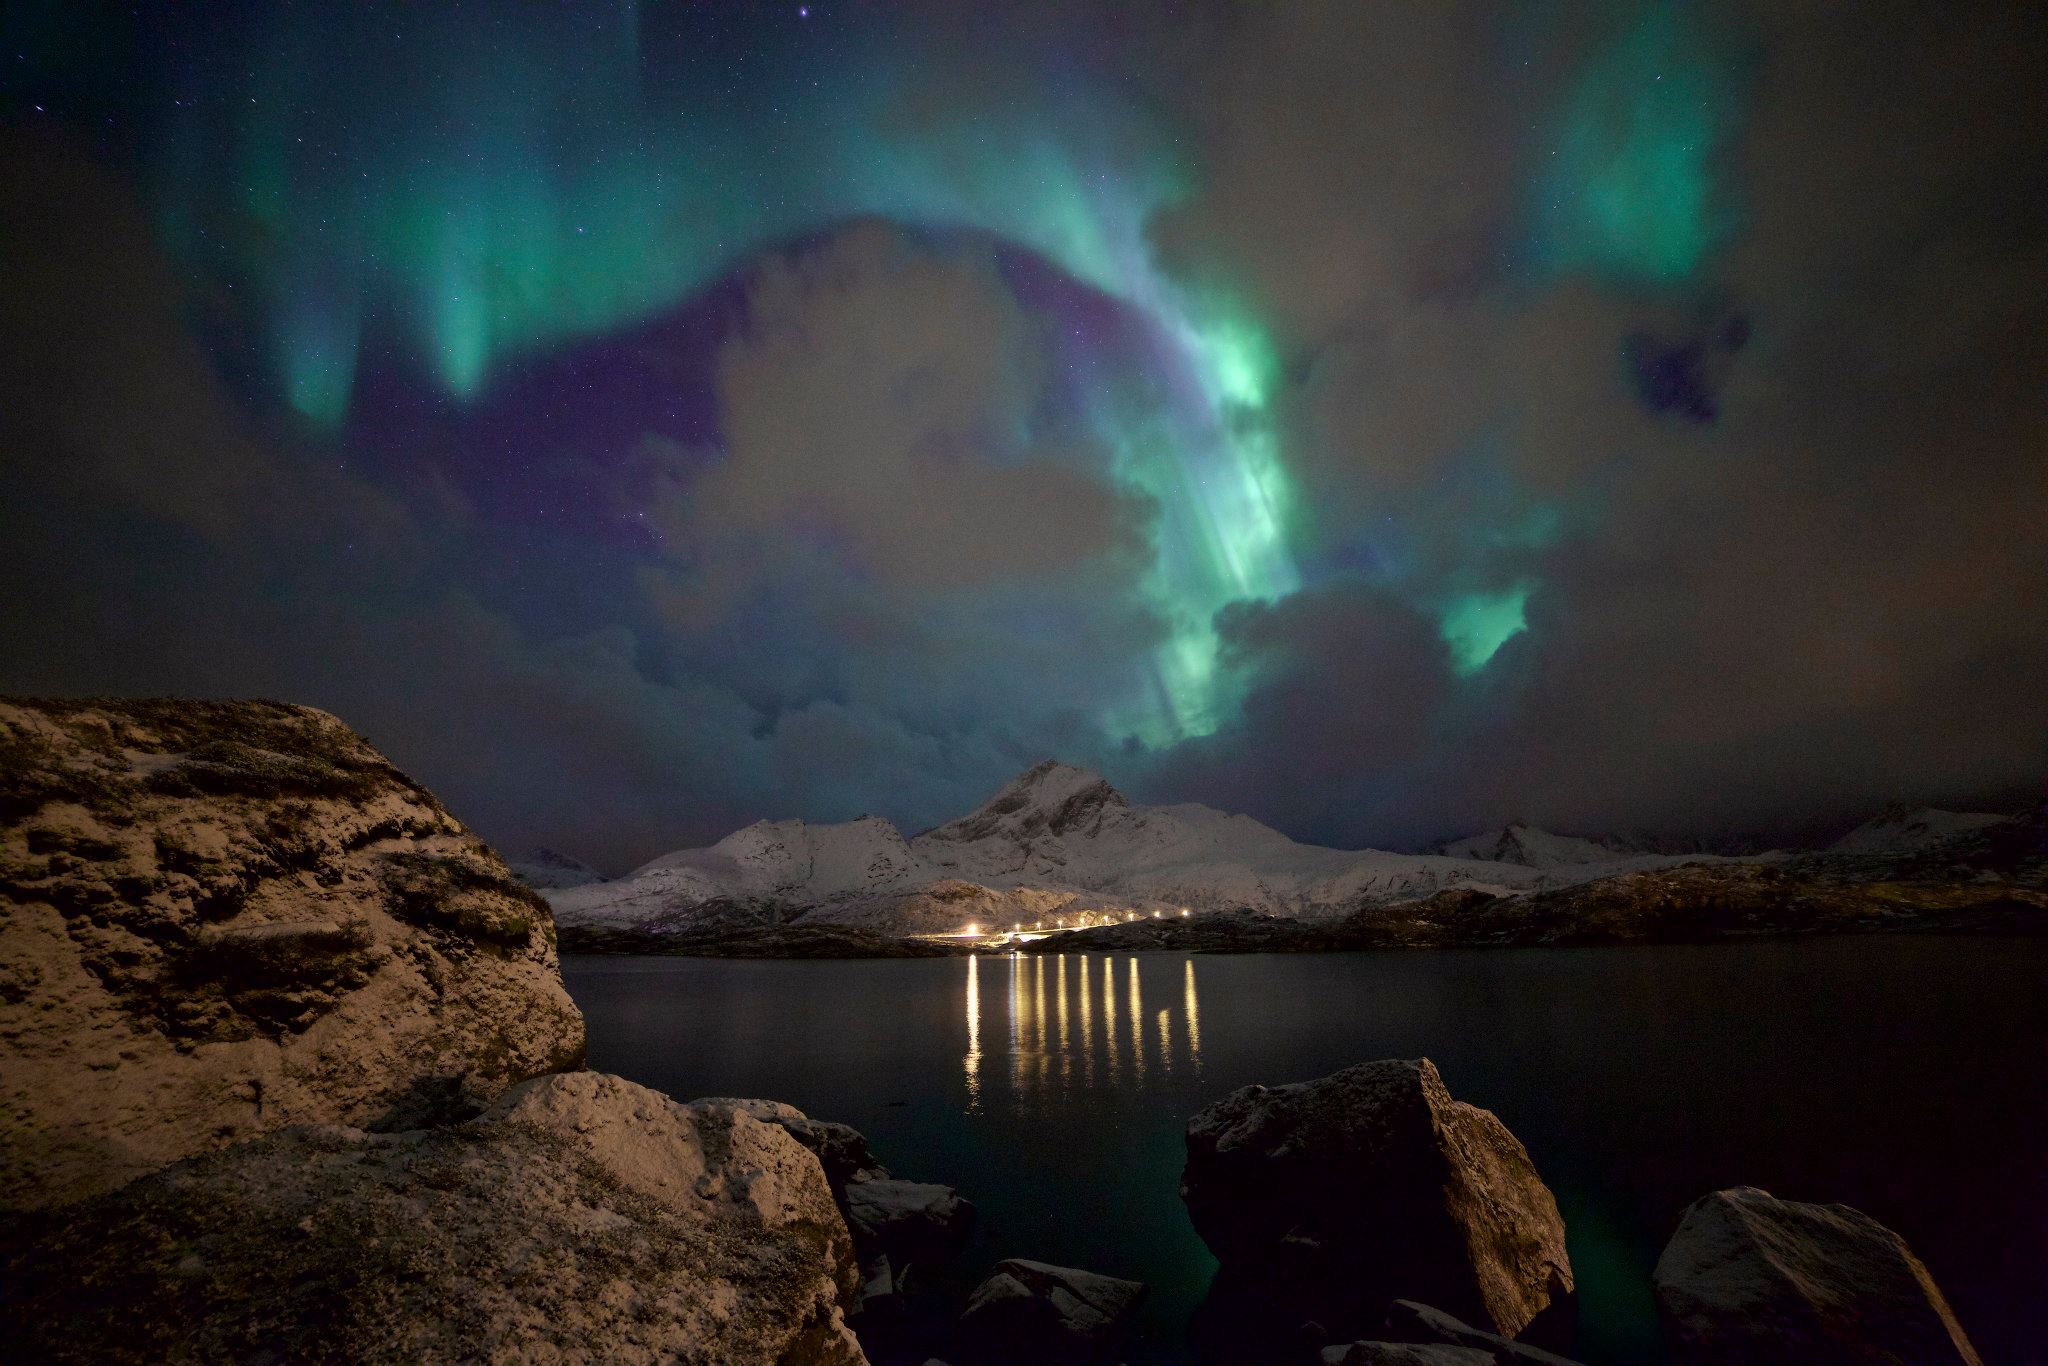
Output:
x,y
163,541
877,401
1804,596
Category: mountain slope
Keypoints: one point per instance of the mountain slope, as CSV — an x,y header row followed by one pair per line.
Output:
x,y
1057,842
544,868
1532,848
1902,830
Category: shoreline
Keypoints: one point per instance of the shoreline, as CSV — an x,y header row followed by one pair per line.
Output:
x,y
1689,904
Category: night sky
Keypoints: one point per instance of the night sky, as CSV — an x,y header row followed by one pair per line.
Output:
x,y
642,418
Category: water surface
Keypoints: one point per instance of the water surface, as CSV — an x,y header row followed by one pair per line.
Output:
x,y
1903,1076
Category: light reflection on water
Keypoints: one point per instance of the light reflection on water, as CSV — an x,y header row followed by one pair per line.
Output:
x,y
1824,1070
1137,1025
973,1060
1050,1055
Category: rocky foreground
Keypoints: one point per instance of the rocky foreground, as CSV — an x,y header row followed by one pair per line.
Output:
x,y
1347,1212
221,918
581,1218
284,1050
290,1077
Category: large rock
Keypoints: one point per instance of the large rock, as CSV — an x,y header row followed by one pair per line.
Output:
x,y
582,1218
1033,1314
1749,1278
1325,1200
221,918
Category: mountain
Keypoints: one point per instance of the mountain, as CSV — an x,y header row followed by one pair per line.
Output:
x,y
1902,830
544,869
1057,843
1533,848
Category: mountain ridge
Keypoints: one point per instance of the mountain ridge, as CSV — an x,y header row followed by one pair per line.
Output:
x,y
1057,842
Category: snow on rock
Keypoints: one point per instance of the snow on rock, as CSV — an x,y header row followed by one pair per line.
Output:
x,y
1900,830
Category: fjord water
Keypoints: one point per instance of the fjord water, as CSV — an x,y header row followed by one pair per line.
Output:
x,y
1904,1076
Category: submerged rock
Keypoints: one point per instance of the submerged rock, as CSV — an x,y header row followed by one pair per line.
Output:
x,y
582,1218
1328,1199
1408,1321
906,1221
1403,1354
1034,1314
1750,1279
221,918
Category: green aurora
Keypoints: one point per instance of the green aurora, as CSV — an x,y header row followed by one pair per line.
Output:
x,y
487,203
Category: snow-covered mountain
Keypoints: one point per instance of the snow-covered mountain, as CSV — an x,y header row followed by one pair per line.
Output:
x,y
544,869
1056,842
1900,830
1533,848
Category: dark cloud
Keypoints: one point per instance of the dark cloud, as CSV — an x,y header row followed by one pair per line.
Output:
x,y
1802,497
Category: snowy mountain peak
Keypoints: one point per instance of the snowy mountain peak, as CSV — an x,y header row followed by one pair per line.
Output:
x,y
1051,798
1530,847
1902,830
1054,840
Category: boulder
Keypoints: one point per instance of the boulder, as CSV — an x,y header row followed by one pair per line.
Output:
x,y
1403,1354
880,1295
222,918
582,1218
1032,1314
1328,1199
906,1221
840,1148
903,1307
1749,1278
1408,1321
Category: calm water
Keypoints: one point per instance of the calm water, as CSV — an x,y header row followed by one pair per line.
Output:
x,y
1902,1076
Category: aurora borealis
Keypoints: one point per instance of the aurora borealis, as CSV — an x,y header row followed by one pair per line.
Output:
x,y
572,176
1359,418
